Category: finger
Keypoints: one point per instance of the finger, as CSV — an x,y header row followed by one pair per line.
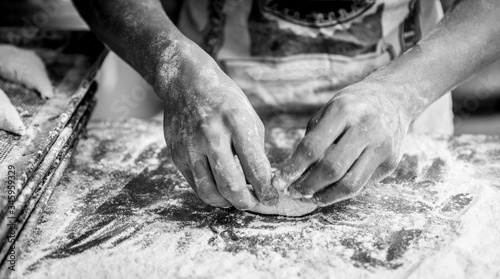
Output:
x,y
183,168
249,147
309,150
315,120
205,184
384,170
332,167
194,167
229,178
352,182
188,175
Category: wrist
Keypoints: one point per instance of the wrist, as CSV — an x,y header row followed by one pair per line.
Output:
x,y
166,64
177,67
405,94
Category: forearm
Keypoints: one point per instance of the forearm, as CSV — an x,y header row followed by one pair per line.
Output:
x,y
138,31
464,42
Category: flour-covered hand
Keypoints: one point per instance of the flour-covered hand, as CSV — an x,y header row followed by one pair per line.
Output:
x,y
354,140
215,137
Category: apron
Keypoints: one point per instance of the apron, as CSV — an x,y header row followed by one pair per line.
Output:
x,y
294,56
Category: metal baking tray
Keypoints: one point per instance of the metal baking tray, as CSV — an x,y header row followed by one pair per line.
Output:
x,y
72,59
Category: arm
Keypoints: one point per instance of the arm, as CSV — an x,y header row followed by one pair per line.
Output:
x,y
138,31
356,138
466,41
208,120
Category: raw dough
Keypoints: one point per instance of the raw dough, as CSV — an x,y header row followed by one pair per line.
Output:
x,y
25,67
9,117
287,206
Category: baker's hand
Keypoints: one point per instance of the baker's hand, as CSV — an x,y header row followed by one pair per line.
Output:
x,y
208,120
354,140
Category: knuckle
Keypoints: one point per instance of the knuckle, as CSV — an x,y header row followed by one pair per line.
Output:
x,y
309,147
207,128
349,187
332,108
312,122
391,165
231,112
374,117
332,169
207,124
369,124
343,106
388,167
388,141
384,145
234,116
231,189
211,133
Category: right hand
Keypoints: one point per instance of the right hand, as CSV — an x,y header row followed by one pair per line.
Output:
x,y
353,141
215,137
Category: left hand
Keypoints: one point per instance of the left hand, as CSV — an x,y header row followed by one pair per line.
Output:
x,y
353,140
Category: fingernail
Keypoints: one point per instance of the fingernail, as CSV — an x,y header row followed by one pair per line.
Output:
x,y
270,202
249,205
296,193
248,200
317,201
271,197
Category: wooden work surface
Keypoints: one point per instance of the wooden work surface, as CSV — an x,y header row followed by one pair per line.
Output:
x,y
122,210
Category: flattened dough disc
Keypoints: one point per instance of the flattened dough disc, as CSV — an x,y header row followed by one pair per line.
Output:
x,y
287,206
